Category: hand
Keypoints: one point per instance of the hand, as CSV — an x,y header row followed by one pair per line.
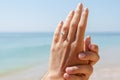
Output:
x,y
72,73
91,52
67,45
80,72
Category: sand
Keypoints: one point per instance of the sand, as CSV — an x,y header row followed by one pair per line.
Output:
x,y
32,73
106,74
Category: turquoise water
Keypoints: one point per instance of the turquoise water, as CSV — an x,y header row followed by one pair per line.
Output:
x,y
19,50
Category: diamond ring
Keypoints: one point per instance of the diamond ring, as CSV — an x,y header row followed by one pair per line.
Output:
x,y
62,33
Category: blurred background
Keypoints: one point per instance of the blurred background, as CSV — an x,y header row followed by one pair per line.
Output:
x,y
26,30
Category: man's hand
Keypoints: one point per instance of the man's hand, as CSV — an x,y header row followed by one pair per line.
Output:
x,y
91,55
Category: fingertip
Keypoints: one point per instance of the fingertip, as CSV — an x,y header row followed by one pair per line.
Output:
x,y
80,6
87,43
85,12
86,9
88,38
71,12
66,76
60,24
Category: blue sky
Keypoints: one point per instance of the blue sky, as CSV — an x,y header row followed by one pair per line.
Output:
x,y
43,15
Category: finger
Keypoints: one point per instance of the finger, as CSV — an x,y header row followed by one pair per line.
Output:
x,y
74,23
94,48
82,27
91,56
87,42
80,69
66,25
57,32
72,77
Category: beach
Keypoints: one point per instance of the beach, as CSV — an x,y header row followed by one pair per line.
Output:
x,y
26,57
101,72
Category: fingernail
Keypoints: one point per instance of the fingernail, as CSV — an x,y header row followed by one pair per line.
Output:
x,y
82,55
61,22
71,12
79,6
86,9
66,76
89,37
69,69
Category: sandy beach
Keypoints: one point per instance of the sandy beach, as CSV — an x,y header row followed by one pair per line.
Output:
x,y
106,74
103,70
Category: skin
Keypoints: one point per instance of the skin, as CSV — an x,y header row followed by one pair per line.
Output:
x,y
90,55
65,48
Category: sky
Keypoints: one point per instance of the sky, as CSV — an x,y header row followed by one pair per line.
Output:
x,y
44,15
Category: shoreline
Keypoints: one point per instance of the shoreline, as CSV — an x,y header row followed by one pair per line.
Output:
x,y
107,68
37,71
31,73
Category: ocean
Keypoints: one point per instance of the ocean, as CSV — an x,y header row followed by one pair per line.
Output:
x,y
20,50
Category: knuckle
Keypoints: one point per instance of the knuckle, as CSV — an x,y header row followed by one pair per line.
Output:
x,y
56,40
66,44
55,48
56,34
73,24
65,28
93,56
75,46
96,47
98,58
84,14
52,49
68,40
87,56
90,69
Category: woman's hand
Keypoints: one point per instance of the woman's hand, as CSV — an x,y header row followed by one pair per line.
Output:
x,y
91,55
68,42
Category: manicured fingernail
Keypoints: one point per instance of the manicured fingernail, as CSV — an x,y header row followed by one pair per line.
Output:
x,y
79,6
69,69
61,22
71,12
89,37
86,9
82,55
66,76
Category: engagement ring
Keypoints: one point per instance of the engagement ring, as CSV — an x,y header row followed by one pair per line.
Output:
x,y
62,33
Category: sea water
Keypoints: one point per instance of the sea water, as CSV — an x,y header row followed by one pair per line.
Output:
x,y
19,50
